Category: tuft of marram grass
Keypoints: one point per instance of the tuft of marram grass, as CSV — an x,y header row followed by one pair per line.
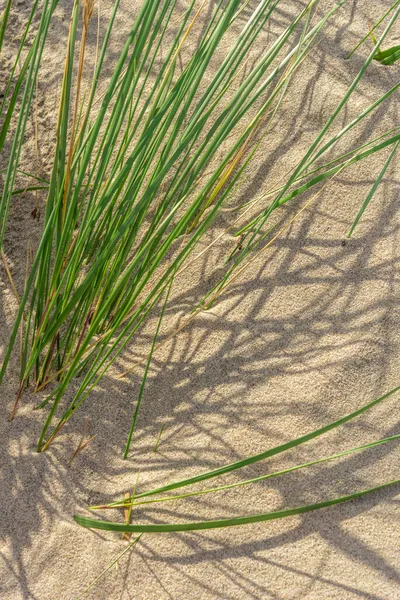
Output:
x,y
146,174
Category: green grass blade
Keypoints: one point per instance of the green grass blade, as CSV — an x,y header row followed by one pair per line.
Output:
x,y
271,452
382,18
4,21
146,371
204,525
132,500
389,56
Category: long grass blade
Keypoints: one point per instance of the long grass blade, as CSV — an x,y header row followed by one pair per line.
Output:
x,y
204,525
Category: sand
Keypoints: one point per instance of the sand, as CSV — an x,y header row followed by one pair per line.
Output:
x,y
307,334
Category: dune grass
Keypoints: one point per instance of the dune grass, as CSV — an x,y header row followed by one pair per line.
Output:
x,y
18,96
141,177
140,174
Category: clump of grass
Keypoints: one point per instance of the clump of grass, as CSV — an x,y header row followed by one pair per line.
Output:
x,y
137,183
144,177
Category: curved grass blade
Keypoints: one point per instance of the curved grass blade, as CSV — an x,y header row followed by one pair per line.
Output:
x,y
130,502
268,453
204,525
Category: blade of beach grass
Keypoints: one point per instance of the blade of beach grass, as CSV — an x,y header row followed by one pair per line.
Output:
x,y
204,525
389,56
158,441
380,20
29,188
31,175
4,20
114,562
131,501
146,371
87,13
310,155
268,453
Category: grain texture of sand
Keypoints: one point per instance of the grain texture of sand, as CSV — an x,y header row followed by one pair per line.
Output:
x,y
309,333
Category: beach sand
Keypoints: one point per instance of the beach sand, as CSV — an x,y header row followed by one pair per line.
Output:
x,y
308,333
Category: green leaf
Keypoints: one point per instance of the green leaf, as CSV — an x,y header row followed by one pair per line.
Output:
x,y
389,56
203,525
